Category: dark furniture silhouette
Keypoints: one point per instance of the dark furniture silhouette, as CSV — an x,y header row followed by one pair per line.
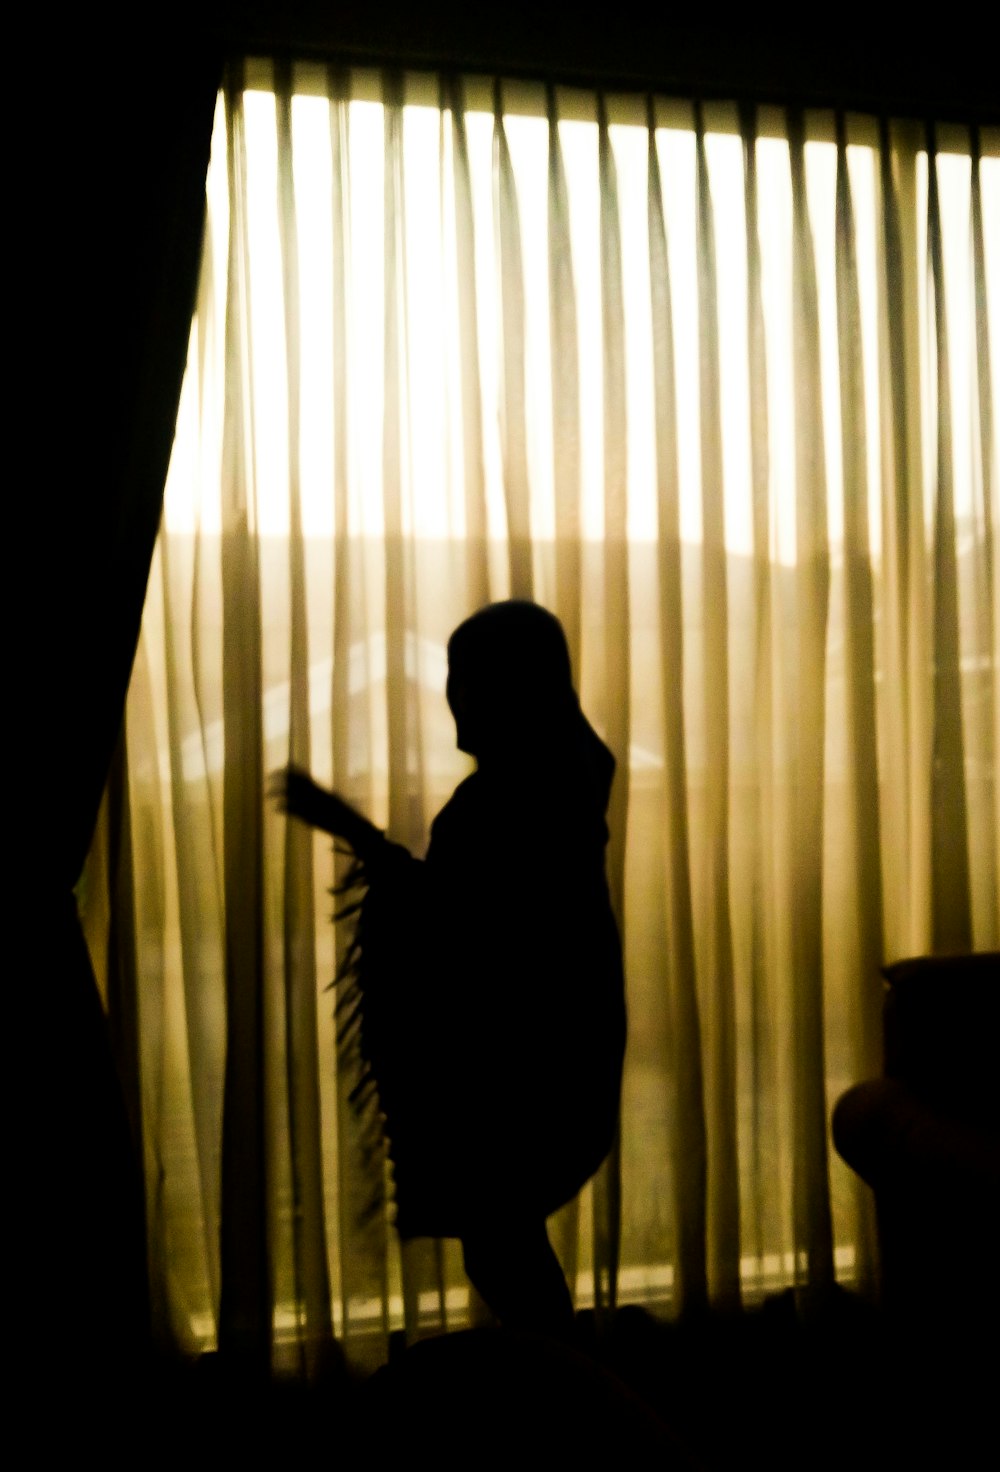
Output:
x,y
925,1138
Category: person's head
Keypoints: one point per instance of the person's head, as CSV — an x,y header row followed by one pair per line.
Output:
x,y
510,685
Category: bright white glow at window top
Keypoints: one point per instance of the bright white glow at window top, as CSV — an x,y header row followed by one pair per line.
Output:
x,y
627,109
433,500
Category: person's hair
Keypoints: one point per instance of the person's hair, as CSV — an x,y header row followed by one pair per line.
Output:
x,y
510,687
516,646
512,662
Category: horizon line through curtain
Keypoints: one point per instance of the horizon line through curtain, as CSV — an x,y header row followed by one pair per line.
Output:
x,y
718,387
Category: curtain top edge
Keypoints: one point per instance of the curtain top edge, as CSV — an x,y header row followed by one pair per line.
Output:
x,y
576,101
965,104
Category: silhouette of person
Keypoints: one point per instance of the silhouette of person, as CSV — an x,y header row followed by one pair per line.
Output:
x,y
491,983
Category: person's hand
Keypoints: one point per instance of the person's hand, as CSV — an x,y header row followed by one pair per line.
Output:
x,y
296,794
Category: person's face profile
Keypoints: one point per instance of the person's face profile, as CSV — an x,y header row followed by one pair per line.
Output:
x,y
458,701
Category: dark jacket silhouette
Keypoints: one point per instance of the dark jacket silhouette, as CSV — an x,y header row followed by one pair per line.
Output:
x,y
491,987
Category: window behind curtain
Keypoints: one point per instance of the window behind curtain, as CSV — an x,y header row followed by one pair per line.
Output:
x,y
729,412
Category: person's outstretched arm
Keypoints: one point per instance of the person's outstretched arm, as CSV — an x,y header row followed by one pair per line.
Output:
x,y
297,794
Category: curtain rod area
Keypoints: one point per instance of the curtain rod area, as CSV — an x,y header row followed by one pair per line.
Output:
x,y
946,76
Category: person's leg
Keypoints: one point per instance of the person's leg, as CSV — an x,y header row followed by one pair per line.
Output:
x,y
514,1269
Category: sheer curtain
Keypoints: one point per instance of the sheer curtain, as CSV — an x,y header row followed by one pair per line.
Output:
x,y
717,386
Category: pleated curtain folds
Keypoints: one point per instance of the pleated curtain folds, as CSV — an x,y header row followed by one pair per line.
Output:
x,y
717,386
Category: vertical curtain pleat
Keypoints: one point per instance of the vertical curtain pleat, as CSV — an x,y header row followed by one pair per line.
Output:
x,y
720,1073
469,388
196,916
763,1008
311,1279
565,394
617,645
951,923
122,976
516,485
987,587
196,800
811,1192
246,1298
897,514
338,91
136,1012
865,949
200,902
394,466
687,1096
172,1021
919,610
